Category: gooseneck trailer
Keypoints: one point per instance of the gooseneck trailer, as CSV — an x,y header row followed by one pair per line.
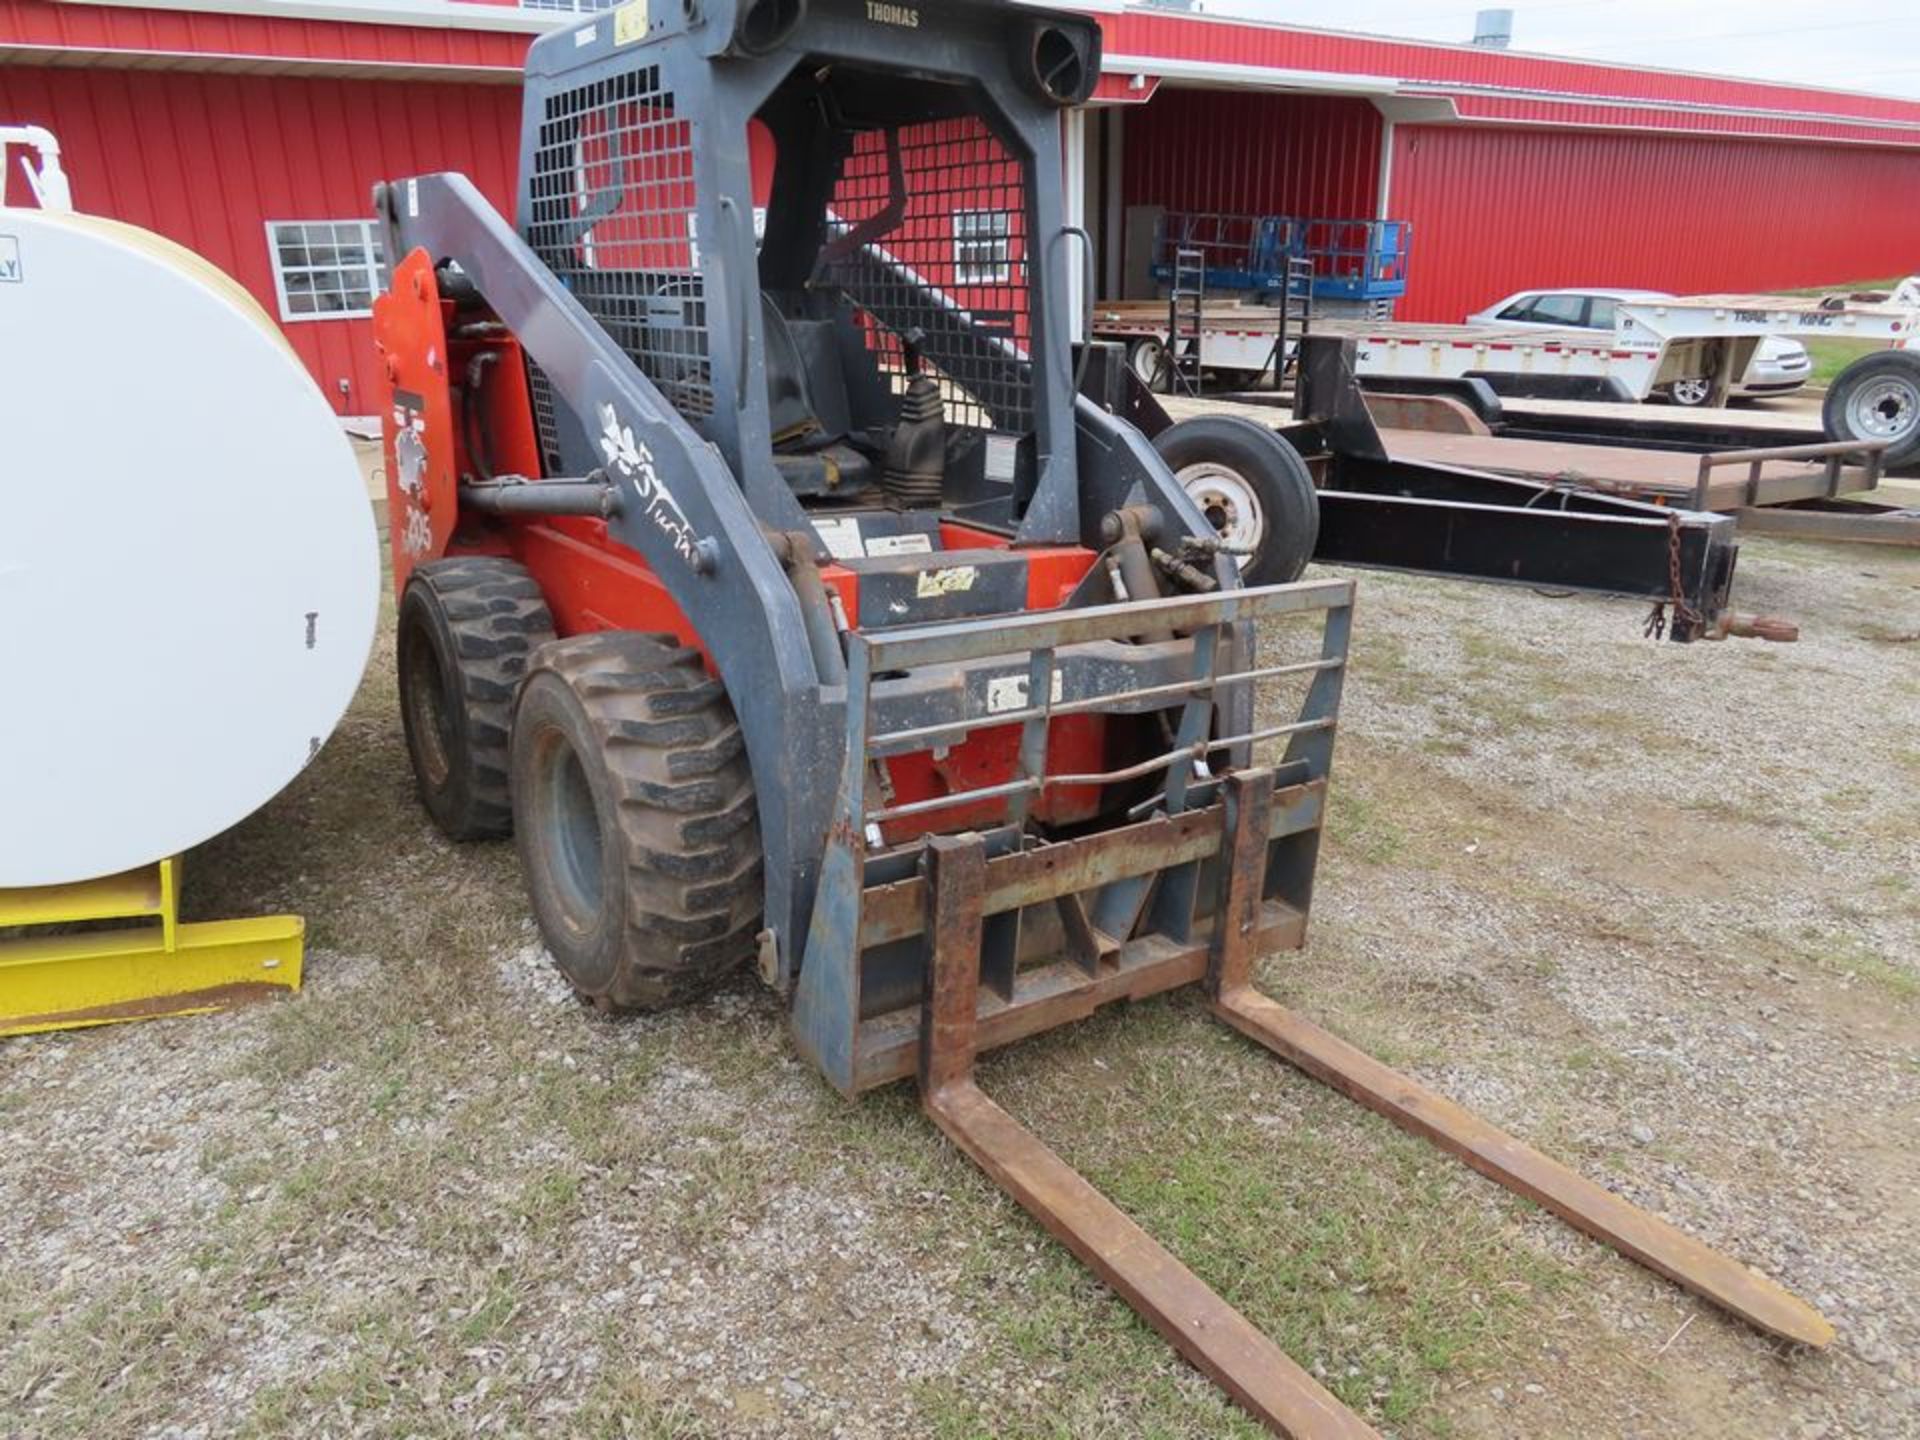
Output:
x,y
1654,345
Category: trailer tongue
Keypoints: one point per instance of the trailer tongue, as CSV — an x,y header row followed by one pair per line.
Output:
x,y
785,602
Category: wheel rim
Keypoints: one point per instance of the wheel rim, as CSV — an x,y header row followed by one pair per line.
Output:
x,y
571,821
1148,356
1691,392
429,708
1885,409
1230,505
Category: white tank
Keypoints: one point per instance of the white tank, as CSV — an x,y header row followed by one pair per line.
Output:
x,y
189,573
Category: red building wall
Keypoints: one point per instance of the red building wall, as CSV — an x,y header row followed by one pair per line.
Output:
x,y
1312,156
1496,210
207,159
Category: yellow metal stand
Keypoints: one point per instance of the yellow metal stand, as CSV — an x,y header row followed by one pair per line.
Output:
x,y
153,965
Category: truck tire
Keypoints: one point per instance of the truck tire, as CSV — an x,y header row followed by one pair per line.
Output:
x,y
1877,397
635,820
1252,486
467,628
1691,393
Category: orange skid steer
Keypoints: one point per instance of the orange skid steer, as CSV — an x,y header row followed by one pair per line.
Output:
x,y
764,572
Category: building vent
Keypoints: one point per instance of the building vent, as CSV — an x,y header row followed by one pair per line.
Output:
x,y
1493,29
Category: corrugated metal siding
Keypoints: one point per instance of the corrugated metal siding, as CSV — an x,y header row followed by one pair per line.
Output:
x,y
40,24
1495,211
1138,32
1253,154
208,159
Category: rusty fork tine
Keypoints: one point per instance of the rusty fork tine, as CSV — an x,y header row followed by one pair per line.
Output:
x,y
1586,1206
1214,1337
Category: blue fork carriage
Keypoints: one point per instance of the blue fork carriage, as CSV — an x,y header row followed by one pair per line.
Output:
x,y
1129,908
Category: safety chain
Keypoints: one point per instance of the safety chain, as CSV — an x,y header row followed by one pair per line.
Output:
x,y
1683,613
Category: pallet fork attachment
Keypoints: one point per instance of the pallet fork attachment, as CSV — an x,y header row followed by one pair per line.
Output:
x,y
1208,1332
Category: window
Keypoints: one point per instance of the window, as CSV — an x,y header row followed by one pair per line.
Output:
x,y
1601,316
325,269
981,254
1520,309
1560,310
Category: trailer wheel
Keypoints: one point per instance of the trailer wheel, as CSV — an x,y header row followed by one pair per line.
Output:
x,y
466,629
1252,486
1148,360
1877,397
635,819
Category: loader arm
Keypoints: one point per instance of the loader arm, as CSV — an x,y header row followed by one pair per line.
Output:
x,y
679,509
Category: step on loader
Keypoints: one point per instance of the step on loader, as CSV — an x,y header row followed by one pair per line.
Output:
x,y
762,571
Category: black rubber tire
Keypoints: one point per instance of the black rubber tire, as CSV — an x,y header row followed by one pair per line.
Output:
x,y
1900,369
1271,470
635,820
466,631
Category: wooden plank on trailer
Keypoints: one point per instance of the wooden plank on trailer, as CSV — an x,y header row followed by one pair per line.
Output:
x,y
1793,426
1621,469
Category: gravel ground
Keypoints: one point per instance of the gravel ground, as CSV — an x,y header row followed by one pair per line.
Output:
x,y
1654,908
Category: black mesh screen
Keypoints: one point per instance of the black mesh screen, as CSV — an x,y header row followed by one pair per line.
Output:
x,y
612,215
942,249
546,423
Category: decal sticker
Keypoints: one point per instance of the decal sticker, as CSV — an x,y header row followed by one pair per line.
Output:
x,y
413,199
632,460
410,460
841,537
954,580
900,545
630,22
905,16
9,260
1003,453
585,36
1009,692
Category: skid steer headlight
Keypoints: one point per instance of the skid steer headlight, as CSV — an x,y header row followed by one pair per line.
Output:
x,y
1058,64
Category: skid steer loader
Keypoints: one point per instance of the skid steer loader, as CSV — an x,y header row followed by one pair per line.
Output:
x,y
761,569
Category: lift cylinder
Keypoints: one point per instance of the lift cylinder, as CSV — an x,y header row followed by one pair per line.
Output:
x,y
189,575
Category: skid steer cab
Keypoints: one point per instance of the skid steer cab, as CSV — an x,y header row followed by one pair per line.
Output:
x,y
763,573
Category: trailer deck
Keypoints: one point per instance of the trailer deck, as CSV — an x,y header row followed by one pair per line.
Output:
x,y
1643,473
1241,337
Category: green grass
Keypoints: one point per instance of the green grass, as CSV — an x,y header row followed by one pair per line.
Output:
x,y
1390,1286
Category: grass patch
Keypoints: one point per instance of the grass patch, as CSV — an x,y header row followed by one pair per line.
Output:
x,y
1361,827
1388,1285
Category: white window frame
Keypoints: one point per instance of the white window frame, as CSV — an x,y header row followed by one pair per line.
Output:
x,y
968,243
374,269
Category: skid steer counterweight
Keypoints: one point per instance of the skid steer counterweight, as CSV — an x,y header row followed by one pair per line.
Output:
x,y
772,585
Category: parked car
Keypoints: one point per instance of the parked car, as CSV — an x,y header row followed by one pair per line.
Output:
x,y
1778,367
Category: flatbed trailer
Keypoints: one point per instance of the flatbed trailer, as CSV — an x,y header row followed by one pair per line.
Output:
x,y
1667,476
1241,339
1654,343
